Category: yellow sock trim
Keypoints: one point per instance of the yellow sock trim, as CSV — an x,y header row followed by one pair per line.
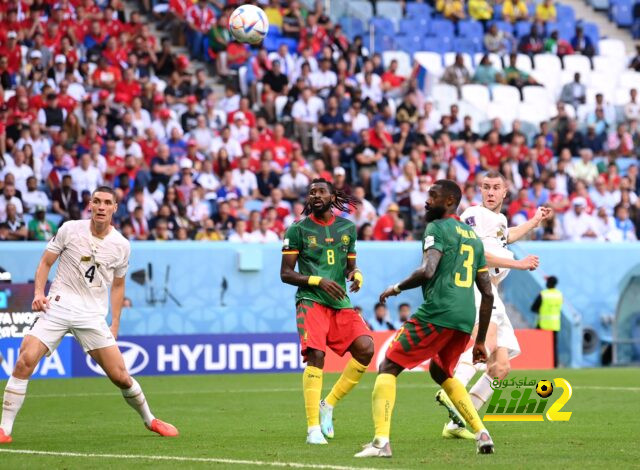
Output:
x,y
384,397
460,398
350,377
312,390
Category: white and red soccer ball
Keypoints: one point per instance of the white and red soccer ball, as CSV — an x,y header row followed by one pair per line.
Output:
x,y
249,23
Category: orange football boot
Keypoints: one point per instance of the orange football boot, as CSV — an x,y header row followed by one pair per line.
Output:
x,y
160,427
4,439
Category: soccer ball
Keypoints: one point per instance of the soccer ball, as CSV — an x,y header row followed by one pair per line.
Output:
x,y
544,388
249,23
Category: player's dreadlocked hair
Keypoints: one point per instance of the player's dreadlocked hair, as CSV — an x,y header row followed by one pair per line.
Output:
x,y
343,202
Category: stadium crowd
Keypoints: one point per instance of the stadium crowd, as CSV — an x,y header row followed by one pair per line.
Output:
x,y
91,97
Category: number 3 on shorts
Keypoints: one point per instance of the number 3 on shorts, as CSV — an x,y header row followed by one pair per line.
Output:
x,y
468,264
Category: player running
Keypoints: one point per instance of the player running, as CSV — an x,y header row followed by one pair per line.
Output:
x,y
452,259
323,245
490,225
94,257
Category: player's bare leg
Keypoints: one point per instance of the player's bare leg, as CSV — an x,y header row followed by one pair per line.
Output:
x,y
463,402
31,351
465,371
361,350
111,361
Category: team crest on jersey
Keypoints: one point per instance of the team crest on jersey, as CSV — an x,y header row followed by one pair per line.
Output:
x,y
471,221
85,258
313,241
346,239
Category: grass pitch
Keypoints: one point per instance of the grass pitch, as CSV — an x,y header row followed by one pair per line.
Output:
x,y
240,419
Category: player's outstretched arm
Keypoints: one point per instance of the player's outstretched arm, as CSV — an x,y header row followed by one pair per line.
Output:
x,y
40,301
519,231
530,262
483,281
117,299
289,275
430,260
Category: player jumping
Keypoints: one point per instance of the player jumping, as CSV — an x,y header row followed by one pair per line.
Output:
x,y
490,225
440,329
323,245
94,258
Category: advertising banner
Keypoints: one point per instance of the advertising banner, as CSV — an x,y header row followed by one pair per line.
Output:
x,y
58,365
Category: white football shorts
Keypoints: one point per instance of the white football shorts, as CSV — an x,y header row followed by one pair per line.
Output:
x,y
92,332
506,336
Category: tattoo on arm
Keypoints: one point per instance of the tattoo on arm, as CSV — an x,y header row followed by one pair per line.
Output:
x,y
483,281
430,261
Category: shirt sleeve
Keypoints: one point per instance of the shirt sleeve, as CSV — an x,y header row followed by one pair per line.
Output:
x,y
291,245
58,242
352,242
121,270
433,238
481,261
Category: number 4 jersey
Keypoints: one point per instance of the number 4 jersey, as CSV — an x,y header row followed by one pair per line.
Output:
x,y
449,296
86,267
323,250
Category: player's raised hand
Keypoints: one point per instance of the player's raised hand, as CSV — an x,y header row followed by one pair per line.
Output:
x,y
479,353
529,263
332,288
388,292
542,213
356,280
40,303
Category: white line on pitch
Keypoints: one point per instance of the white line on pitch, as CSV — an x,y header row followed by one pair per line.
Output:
x,y
180,459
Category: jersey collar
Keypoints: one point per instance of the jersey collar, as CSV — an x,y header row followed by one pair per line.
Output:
x,y
453,216
320,222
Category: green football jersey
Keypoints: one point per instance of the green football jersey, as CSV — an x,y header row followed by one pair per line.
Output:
x,y
449,299
322,250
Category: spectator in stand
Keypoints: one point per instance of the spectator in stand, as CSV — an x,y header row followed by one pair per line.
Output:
x,y
621,141
496,40
381,321
40,228
531,43
578,224
305,113
451,9
546,11
602,196
574,93
632,108
457,74
582,44
558,46
200,18
522,209
385,223
515,10
516,77
486,73
17,228
33,197
492,153
263,234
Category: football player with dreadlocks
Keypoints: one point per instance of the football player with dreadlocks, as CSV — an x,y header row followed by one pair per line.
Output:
x,y
323,245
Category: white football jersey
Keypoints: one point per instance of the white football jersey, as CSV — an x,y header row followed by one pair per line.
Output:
x,y
492,229
86,267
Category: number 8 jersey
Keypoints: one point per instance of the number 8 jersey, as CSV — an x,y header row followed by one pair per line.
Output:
x,y
86,267
449,299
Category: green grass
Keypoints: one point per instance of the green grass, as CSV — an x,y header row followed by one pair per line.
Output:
x,y
261,417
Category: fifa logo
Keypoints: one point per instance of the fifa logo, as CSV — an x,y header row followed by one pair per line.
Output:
x,y
530,402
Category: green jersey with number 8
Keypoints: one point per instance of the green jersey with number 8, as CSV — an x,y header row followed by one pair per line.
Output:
x,y
449,299
323,250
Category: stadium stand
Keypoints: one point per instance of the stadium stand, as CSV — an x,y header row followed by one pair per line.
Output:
x,y
381,98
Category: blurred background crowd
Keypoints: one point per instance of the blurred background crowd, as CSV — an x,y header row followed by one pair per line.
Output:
x,y
92,95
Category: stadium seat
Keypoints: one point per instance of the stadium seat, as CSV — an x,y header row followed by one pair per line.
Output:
x,y
592,91
629,79
577,63
352,27
478,115
442,28
592,31
522,28
384,41
478,95
497,12
389,9
506,112
505,94
418,10
404,61
408,43
599,4
493,57
621,96
411,26
536,95
622,13
254,204
360,9
382,24
450,58
444,96
467,45
523,62
504,26
439,45
533,113
612,48
608,65
470,29
565,12
337,9
547,63
432,61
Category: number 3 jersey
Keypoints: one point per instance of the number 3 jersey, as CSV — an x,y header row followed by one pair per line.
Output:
x,y
492,230
323,250
449,299
86,267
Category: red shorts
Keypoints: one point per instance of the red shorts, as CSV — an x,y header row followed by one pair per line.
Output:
x,y
320,326
416,342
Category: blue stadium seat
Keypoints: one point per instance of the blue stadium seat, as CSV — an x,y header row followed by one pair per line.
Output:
x,y
411,26
436,44
352,27
418,10
442,28
470,29
551,26
565,12
467,45
602,5
382,24
384,42
504,26
522,28
389,9
409,43
291,43
592,31
497,12
622,13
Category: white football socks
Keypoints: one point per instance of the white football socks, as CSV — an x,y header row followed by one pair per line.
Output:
x,y
136,399
14,395
466,369
481,391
